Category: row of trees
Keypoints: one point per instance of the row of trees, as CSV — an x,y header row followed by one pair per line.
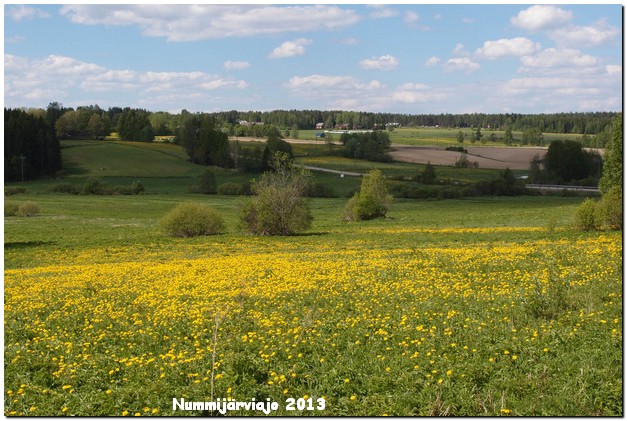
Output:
x,y
576,123
95,121
31,149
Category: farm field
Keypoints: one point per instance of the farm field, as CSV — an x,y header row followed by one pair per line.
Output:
x,y
444,136
460,307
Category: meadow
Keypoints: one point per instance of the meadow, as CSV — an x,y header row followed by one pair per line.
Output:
x,y
445,136
483,306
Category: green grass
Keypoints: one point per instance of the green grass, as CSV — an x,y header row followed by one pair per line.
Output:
x,y
483,306
430,136
128,159
462,307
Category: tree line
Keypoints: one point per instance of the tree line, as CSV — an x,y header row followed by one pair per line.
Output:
x,y
140,124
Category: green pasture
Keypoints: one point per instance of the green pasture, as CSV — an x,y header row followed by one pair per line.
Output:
x,y
164,167
506,351
490,306
444,136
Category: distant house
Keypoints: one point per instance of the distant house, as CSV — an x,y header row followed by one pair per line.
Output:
x,y
319,125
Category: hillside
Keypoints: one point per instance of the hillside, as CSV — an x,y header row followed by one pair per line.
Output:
x,y
125,159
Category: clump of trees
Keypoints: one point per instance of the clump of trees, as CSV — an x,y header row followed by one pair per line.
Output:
x,y
566,162
371,201
31,148
370,146
278,206
203,140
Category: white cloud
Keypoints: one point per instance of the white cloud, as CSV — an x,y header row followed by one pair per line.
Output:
x,y
236,65
205,21
460,64
380,11
411,18
541,17
290,48
459,50
552,58
584,36
432,61
410,93
25,78
515,47
21,12
386,62
614,69
316,82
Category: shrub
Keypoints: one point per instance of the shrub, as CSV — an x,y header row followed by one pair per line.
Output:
x,y
10,191
64,188
10,209
27,209
610,209
93,186
278,207
191,220
137,187
585,216
372,201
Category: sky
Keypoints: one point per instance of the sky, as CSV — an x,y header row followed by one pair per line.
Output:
x,y
396,58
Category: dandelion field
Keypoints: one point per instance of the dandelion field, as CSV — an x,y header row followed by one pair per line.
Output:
x,y
473,307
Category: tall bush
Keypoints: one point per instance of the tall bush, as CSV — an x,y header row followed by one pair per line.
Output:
x,y
278,206
371,201
585,216
610,209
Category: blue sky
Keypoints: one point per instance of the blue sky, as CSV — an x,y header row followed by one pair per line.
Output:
x,y
402,58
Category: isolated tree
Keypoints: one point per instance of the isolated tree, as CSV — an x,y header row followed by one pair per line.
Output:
x,y
460,136
371,201
613,163
278,206
477,135
509,137
428,174
532,136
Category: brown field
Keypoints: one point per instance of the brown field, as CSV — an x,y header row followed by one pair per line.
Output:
x,y
490,157
515,158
